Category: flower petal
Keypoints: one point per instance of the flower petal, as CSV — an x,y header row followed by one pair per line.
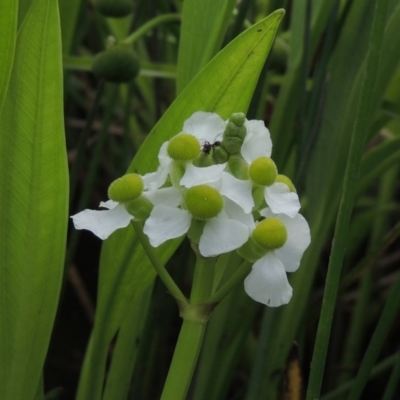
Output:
x,y
257,142
221,235
104,222
198,176
168,196
297,242
267,282
166,223
281,200
205,126
235,212
238,191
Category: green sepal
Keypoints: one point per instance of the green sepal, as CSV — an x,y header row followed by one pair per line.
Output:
x,y
195,231
238,167
114,8
140,208
117,64
232,145
251,251
177,170
258,196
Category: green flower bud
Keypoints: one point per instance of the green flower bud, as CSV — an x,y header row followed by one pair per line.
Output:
x,y
284,179
140,208
203,160
220,155
270,234
183,147
263,171
238,119
117,64
238,167
232,130
203,202
232,145
115,8
128,187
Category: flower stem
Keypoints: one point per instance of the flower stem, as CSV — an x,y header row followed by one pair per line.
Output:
x,y
161,271
184,361
150,25
237,277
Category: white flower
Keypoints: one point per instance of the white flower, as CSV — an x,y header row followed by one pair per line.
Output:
x,y
223,233
267,282
204,126
257,143
105,222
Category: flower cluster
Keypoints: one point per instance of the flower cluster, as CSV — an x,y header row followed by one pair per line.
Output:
x,y
216,182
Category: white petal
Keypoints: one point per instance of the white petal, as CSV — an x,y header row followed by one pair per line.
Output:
x,y
103,223
257,142
221,235
281,200
267,282
238,191
168,196
166,223
297,242
205,126
154,180
233,211
110,204
198,176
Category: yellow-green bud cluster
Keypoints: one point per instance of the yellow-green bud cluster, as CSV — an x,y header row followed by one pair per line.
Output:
x,y
203,202
128,187
183,147
270,234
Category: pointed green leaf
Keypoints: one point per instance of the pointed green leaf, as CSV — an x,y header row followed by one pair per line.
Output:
x,y
33,202
8,35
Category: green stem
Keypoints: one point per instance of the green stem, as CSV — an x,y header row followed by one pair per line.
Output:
x,y
150,25
202,280
161,271
184,361
237,277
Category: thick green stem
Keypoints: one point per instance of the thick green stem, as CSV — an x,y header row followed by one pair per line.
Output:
x,y
184,361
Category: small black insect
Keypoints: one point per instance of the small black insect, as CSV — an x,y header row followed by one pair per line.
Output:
x,y
207,146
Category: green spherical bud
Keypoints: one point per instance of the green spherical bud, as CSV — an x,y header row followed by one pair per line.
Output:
x,y
115,8
183,147
263,171
117,64
220,155
140,208
284,179
238,118
203,202
270,233
232,144
232,130
128,187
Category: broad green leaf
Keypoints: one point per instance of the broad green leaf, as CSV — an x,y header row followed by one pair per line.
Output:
x,y
33,202
224,86
8,35
204,24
